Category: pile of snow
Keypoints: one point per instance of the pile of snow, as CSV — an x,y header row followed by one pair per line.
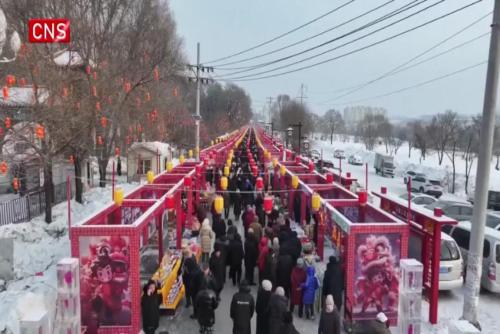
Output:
x,y
37,248
154,146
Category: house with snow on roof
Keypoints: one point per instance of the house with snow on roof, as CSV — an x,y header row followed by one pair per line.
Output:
x,y
147,156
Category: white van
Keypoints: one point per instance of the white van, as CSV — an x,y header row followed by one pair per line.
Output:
x,y
490,277
451,262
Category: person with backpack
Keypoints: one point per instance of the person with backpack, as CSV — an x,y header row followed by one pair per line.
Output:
x,y
309,288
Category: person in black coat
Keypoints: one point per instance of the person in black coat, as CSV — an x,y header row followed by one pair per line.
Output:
x,y
218,268
251,255
242,308
295,246
284,271
333,281
187,258
329,321
150,306
278,305
263,297
296,207
288,327
219,227
196,282
236,257
237,205
206,303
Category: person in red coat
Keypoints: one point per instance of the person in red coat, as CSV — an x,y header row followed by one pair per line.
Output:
x,y
299,276
261,261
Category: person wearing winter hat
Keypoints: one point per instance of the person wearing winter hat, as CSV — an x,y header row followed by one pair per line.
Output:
x,y
206,238
329,321
382,318
277,308
263,297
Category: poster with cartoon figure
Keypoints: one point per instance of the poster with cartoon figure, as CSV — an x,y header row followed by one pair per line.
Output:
x,y
376,279
104,280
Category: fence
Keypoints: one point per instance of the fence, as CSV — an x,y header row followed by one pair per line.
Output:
x,y
31,205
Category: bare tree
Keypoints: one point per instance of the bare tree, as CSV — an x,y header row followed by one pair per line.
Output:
x,y
420,139
332,121
454,129
441,131
469,144
385,130
369,130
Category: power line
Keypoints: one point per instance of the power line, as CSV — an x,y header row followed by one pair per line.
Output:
x,y
220,66
365,26
284,34
416,85
356,50
401,67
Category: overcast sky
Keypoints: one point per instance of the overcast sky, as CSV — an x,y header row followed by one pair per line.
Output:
x,y
224,27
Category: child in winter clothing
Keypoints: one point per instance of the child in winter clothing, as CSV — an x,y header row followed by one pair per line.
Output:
x,y
309,290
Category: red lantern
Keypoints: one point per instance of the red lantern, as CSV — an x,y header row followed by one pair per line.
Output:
x,y
98,106
175,92
94,91
3,168
311,166
72,159
104,121
268,204
11,80
156,73
147,97
15,184
329,177
128,140
259,184
127,87
170,202
65,91
99,140
8,123
94,75
5,91
187,181
255,171
40,131
88,69
117,151
362,198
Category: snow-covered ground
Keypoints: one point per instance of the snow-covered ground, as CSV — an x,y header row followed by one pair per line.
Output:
x,y
429,166
37,248
451,302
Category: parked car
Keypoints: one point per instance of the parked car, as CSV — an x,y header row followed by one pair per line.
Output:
x,y
324,164
419,199
339,154
355,160
384,164
410,174
490,278
425,185
493,199
456,210
451,260
315,155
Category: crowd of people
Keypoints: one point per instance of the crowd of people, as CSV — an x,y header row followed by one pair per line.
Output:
x,y
272,255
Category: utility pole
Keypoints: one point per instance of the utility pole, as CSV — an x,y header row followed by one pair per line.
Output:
x,y
197,116
270,101
302,95
199,80
475,257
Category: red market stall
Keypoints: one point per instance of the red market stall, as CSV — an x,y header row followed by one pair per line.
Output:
x,y
113,244
425,226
